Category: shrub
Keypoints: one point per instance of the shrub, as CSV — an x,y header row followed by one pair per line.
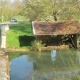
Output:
x,y
37,45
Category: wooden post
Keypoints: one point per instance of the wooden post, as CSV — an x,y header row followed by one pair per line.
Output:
x,y
78,41
74,40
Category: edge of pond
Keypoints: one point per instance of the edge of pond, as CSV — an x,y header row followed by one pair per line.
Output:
x,y
48,48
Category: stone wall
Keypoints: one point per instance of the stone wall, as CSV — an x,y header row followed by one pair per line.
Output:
x,y
4,68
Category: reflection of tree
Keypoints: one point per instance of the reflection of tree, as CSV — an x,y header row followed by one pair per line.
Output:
x,y
41,60
66,64
13,55
65,60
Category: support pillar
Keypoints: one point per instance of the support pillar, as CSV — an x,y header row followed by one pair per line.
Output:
x,y
74,40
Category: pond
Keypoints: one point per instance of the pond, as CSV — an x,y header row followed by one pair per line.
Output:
x,y
47,65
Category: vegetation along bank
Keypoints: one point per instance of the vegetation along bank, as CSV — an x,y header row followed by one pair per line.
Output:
x,y
20,38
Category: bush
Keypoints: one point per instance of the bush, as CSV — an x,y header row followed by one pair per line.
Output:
x,y
37,45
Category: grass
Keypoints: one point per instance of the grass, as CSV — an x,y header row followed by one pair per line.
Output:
x,y
19,17
20,36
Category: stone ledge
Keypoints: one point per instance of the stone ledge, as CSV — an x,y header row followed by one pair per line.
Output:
x,y
4,68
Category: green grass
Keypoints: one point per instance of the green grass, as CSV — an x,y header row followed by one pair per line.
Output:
x,y
20,36
19,17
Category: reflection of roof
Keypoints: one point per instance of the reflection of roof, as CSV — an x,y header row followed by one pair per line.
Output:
x,y
55,28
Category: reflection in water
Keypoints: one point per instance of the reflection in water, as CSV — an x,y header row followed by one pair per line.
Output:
x,y
51,65
21,68
53,55
78,53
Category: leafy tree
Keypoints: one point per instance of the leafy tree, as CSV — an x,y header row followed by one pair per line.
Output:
x,y
68,10
58,9
37,10
17,7
9,9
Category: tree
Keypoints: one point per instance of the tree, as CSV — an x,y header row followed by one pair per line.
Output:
x,y
68,10
9,9
17,7
1,10
36,10
58,9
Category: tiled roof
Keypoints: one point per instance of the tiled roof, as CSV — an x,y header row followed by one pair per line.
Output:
x,y
55,28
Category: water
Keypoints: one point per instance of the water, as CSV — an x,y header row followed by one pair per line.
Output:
x,y
48,65
21,68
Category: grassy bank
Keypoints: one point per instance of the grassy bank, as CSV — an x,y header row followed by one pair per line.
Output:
x,y
20,36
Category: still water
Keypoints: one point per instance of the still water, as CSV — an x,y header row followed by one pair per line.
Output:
x,y
48,65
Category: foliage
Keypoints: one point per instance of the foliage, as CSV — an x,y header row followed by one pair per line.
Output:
x,y
19,17
36,10
58,9
13,55
9,9
76,78
40,9
69,10
37,45
20,36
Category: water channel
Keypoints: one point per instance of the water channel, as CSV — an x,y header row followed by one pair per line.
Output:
x,y
47,65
